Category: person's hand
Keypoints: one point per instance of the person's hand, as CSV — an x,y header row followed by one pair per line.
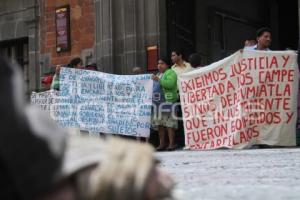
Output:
x,y
155,78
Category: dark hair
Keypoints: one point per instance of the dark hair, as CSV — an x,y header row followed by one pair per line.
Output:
x,y
75,61
165,60
251,37
262,30
248,38
179,52
92,66
195,60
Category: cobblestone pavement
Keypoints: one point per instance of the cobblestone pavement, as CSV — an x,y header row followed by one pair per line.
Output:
x,y
235,174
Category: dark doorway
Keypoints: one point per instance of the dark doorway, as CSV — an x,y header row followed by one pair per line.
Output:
x,y
181,35
228,33
17,52
181,25
288,24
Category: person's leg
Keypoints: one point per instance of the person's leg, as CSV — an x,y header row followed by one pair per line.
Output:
x,y
171,135
171,125
161,134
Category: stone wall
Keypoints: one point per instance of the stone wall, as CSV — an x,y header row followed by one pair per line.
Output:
x,y
19,19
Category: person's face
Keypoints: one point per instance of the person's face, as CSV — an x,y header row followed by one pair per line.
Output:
x,y
162,66
91,68
264,40
250,43
137,70
57,69
79,66
175,58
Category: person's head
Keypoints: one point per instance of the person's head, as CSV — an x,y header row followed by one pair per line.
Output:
x,y
250,42
163,65
264,38
76,63
92,67
177,56
46,81
57,69
52,173
17,119
137,70
48,77
195,60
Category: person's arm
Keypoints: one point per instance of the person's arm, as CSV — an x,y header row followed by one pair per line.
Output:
x,y
52,83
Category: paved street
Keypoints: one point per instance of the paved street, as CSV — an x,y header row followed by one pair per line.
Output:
x,y
240,174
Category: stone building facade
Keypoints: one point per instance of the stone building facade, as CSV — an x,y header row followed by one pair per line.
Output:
x,y
28,35
124,29
19,33
116,33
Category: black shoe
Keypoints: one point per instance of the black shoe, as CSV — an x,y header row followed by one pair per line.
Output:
x,y
160,148
172,148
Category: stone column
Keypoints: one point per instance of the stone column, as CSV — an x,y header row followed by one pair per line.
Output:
x,y
104,35
124,29
34,72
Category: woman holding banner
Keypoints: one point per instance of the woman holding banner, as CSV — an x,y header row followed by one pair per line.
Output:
x,y
55,81
166,79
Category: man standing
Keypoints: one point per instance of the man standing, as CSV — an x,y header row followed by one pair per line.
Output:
x,y
180,66
264,39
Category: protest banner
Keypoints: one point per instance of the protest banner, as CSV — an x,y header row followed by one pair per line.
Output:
x,y
107,103
46,101
246,99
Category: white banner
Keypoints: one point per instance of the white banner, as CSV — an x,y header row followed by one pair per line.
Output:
x,y
46,100
248,98
107,103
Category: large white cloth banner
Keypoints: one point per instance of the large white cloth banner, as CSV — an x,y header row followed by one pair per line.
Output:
x,y
47,101
245,99
100,102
